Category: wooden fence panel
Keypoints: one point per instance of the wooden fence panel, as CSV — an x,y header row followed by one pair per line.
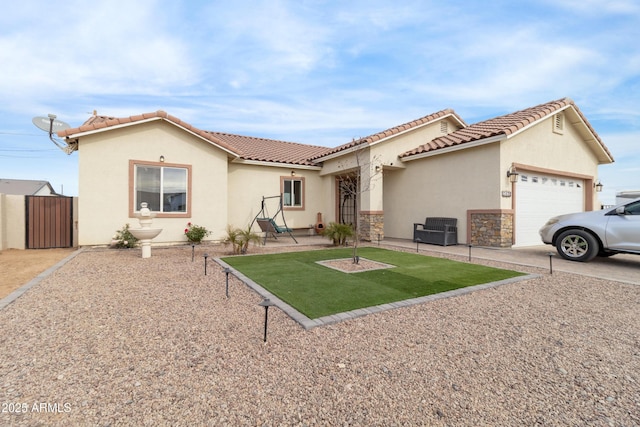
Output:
x,y
49,221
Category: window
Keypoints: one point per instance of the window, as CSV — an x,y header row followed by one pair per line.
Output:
x,y
164,187
293,192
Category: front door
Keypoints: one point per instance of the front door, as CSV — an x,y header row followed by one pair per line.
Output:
x,y
347,194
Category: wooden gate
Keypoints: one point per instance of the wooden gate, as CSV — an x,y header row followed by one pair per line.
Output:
x,y
49,221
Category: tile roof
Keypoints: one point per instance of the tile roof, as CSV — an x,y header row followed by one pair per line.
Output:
x,y
395,130
269,150
274,151
503,125
245,147
96,122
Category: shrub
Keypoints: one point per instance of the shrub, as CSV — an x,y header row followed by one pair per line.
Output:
x,y
338,233
124,239
240,239
195,233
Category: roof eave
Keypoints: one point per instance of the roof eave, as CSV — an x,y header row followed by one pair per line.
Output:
x,y
240,160
589,136
463,146
451,114
75,136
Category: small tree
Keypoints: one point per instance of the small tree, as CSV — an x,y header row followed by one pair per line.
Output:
x,y
360,183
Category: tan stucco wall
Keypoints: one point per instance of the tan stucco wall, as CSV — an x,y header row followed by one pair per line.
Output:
x,y
249,183
12,222
444,185
103,163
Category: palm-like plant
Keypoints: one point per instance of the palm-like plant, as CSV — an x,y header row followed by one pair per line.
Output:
x,y
338,233
240,239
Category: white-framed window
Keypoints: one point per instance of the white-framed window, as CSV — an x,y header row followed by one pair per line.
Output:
x,y
165,187
293,192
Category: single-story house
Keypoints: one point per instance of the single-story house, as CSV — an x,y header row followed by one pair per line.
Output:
x,y
501,178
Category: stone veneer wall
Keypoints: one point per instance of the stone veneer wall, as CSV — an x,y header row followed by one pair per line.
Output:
x,y
371,225
491,228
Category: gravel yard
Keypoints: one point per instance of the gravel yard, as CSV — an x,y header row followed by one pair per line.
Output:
x,y
114,339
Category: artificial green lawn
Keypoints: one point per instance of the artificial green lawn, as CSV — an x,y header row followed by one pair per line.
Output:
x,y
316,290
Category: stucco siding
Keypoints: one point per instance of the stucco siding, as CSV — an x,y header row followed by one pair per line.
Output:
x,y
443,185
104,184
249,183
12,221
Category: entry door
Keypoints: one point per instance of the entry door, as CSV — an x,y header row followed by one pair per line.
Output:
x,y
347,193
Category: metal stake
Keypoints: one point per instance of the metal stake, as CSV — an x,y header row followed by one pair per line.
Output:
x,y
205,263
550,262
193,251
418,240
470,252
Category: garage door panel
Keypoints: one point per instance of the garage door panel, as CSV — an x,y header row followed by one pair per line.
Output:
x,y
540,197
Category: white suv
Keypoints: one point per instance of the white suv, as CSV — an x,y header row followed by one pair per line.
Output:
x,y
581,236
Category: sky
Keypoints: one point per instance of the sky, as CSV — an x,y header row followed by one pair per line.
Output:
x,y
314,72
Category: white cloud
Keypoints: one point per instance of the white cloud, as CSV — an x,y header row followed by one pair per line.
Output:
x,y
115,49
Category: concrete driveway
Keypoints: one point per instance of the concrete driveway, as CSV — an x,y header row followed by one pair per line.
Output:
x,y
622,267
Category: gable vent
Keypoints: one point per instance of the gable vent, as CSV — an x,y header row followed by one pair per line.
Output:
x,y
558,123
444,127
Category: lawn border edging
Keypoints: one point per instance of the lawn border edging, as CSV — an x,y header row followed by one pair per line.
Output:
x,y
308,323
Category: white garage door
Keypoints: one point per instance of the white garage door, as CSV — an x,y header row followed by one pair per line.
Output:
x,y
538,198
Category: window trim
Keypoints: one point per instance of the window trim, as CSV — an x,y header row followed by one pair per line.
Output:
x,y
132,189
303,188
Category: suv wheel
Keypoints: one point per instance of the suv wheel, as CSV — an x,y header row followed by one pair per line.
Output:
x,y
577,245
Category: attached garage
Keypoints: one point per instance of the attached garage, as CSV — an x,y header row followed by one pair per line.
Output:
x,y
540,197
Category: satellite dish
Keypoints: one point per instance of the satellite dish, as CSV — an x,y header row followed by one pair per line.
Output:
x,y
50,125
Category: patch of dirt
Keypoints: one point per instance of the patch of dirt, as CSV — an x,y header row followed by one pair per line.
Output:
x,y
347,265
18,266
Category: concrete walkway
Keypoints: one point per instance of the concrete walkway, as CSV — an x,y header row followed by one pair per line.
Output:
x,y
621,268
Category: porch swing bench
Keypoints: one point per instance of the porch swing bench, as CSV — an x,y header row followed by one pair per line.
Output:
x,y
269,226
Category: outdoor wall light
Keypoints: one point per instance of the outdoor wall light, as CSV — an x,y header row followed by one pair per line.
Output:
x,y
513,176
293,173
378,168
161,159
598,186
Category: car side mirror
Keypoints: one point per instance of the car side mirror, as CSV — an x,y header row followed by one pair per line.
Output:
x,y
620,210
